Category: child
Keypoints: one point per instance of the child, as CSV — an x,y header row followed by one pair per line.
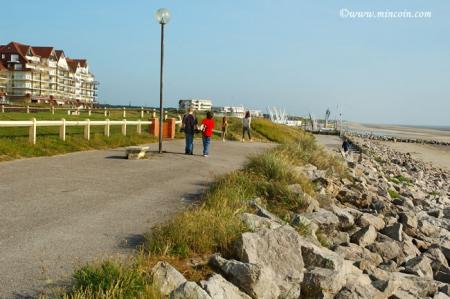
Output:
x,y
208,126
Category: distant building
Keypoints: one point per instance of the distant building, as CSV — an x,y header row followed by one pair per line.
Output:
x,y
237,111
196,104
3,82
256,113
233,111
46,75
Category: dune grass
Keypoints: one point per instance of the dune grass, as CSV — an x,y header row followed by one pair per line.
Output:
x,y
214,224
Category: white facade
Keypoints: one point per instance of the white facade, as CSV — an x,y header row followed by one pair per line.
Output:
x,y
196,104
44,75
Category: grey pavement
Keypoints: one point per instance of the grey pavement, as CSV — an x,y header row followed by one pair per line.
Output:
x,y
57,213
330,142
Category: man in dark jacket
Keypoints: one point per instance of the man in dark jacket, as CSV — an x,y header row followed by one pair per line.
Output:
x,y
189,126
345,146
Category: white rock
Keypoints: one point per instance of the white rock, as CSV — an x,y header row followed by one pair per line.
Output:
x,y
189,290
166,277
219,288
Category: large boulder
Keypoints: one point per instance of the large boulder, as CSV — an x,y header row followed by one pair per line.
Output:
x,y
166,277
357,253
411,286
254,222
359,289
394,231
189,290
420,266
321,283
346,219
279,253
251,278
388,250
324,219
365,236
219,288
409,221
369,219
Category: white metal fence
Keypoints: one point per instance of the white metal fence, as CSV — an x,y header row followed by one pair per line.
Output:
x,y
63,124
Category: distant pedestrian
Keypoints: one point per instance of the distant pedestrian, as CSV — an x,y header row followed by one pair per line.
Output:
x,y
189,125
345,146
207,130
246,125
224,127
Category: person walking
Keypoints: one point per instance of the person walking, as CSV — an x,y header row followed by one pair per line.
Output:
x,y
246,123
224,127
345,147
189,126
207,130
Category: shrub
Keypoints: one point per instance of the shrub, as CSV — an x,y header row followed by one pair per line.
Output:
x,y
272,166
110,277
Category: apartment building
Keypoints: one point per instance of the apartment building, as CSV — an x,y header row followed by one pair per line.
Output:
x,y
196,104
46,75
3,82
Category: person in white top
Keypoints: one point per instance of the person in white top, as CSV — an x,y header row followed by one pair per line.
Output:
x,y
246,124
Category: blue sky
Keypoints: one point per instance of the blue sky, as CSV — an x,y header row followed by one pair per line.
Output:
x,y
296,54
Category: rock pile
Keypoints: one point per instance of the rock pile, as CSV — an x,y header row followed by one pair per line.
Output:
x,y
397,139
387,231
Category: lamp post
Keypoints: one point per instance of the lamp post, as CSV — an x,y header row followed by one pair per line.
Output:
x,y
163,17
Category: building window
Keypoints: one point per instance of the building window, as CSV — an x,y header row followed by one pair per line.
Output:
x,y
14,58
18,66
3,56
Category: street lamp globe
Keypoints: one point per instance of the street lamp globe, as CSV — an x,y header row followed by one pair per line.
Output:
x,y
162,16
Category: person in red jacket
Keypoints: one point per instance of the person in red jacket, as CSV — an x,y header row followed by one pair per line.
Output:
x,y
207,128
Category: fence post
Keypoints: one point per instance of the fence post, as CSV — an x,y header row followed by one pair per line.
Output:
x,y
124,113
28,109
165,115
32,132
154,114
106,112
107,128
89,111
138,127
53,110
124,127
3,108
142,112
87,130
62,130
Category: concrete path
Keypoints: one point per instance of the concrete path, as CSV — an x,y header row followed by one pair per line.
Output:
x,y
58,212
330,142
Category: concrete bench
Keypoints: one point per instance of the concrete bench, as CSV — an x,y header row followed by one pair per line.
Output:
x,y
137,152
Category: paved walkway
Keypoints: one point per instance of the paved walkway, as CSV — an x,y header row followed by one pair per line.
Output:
x,y
59,212
330,142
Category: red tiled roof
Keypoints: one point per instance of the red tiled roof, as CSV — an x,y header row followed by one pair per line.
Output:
x,y
44,52
83,62
59,53
16,48
73,64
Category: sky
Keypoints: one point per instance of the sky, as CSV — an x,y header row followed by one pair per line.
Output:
x,y
298,55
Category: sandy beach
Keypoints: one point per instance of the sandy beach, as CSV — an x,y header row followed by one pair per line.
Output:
x,y
402,131
437,155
